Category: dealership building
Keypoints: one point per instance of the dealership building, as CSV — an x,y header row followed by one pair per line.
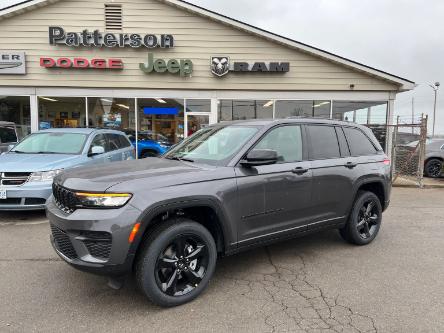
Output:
x,y
165,68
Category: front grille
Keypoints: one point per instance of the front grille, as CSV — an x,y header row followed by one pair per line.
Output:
x,y
63,243
14,178
11,201
35,201
98,243
65,199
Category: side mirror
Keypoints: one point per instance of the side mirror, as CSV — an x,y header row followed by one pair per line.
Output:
x,y
96,150
259,157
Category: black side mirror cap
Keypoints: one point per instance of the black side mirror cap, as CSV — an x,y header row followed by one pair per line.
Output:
x,y
258,157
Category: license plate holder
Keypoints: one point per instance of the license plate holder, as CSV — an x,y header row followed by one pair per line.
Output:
x,y
3,194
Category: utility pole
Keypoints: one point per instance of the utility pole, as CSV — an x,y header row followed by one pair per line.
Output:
x,y
413,114
435,89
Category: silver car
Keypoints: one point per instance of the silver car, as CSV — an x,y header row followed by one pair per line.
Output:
x,y
27,170
434,159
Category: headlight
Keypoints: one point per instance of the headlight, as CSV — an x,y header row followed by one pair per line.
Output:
x,y
44,176
103,200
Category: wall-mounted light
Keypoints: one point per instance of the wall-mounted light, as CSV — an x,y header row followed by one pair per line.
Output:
x,y
320,104
268,104
49,99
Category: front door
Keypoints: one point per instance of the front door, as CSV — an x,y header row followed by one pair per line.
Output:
x,y
274,199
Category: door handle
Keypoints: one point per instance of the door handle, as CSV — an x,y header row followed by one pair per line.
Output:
x,y
299,170
351,165
109,157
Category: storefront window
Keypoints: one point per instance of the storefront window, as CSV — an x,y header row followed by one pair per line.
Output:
x,y
113,113
309,108
245,109
361,112
15,114
199,105
161,119
61,112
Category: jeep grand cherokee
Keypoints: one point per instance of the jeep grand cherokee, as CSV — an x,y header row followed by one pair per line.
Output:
x,y
225,189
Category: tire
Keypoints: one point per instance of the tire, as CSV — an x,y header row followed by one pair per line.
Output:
x,y
166,279
149,153
433,168
364,223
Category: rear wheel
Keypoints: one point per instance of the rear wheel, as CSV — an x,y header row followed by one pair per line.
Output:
x,y
433,168
365,219
176,262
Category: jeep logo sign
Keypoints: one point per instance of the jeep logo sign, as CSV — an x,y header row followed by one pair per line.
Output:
x,y
12,62
183,67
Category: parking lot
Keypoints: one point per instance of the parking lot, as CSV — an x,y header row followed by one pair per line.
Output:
x,y
313,284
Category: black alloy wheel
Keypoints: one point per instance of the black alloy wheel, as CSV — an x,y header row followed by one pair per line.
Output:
x,y
368,219
433,168
182,265
175,262
365,219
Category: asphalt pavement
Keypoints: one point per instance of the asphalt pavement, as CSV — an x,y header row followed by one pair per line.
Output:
x,y
313,284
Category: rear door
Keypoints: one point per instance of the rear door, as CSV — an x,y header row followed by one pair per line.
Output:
x,y
332,179
275,198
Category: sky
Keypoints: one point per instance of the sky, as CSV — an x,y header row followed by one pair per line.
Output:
x,y
402,37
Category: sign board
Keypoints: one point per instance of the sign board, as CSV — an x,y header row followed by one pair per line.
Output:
x,y
12,62
220,66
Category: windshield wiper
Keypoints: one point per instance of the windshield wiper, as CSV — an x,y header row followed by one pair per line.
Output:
x,y
176,158
18,152
44,152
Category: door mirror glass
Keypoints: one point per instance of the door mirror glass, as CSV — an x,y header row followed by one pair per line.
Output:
x,y
258,157
96,150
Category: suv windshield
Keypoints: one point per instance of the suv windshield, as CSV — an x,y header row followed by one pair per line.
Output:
x,y
7,135
52,143
213,145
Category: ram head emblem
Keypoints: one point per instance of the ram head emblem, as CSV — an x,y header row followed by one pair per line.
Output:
x,y
220,65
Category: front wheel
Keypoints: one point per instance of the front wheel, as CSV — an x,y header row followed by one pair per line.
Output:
x,y
365,219
176,262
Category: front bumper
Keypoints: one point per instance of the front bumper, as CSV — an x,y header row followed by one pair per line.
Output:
x,y
30,196
94,240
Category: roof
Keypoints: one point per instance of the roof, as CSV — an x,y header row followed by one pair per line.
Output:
x,y
82,130
304,120
404,84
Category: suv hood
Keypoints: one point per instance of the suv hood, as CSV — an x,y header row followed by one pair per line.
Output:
x,y
13,162
153,172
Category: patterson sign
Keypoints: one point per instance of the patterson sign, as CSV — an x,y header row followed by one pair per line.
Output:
x,y
58,36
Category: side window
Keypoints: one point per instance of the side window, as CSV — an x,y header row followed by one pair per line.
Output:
x,y
113,142
99,140
345,152
358,142
123,142
286,140
324,143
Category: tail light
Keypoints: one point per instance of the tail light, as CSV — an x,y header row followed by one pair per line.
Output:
x,y
386,161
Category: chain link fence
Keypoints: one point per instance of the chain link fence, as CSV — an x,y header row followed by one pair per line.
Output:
x,y
408,150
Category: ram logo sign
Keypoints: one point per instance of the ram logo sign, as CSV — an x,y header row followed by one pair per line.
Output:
x,y
220,65
12,62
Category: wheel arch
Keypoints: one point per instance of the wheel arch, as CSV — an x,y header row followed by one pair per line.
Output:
x,y
205,211
374,185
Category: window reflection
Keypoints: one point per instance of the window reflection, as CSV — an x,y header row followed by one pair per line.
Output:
x,y
61,112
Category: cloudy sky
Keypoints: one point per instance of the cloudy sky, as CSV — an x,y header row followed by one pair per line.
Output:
x,y
402,37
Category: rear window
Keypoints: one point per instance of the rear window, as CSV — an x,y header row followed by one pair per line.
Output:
x,y
7,135
324,143
359,143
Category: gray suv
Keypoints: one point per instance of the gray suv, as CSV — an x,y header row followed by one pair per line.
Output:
x,y
227,188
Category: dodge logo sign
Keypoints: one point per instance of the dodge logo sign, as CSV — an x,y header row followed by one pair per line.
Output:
x,y
220,65
12,62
